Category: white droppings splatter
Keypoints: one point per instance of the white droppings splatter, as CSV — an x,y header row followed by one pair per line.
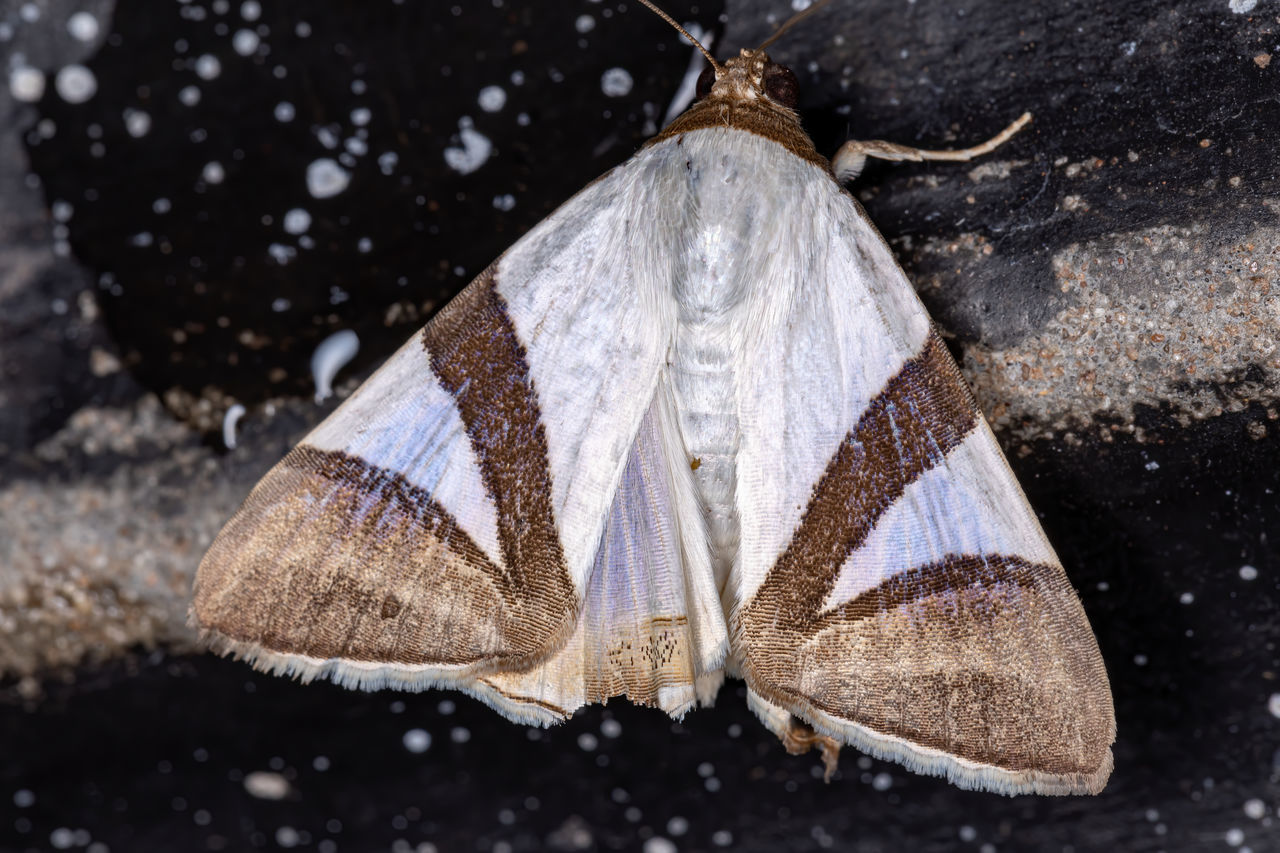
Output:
x,y
333,354
417,740
208,67
189,95
584,24
213,173
281,253
1248,573
492,98
1234,836
474,151
504,202
245,42
137,123
83,26
26,83
327,137
325,178
229,421
284,111
1153,465
266,785
616,82
658,844
1255,809
1241,7
75,84
297,221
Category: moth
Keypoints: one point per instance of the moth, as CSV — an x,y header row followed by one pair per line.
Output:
x,y
696,423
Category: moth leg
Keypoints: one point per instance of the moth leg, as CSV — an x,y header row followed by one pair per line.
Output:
x,y
799,738
852,156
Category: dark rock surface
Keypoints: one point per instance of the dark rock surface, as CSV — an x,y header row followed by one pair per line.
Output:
x,y
1109,280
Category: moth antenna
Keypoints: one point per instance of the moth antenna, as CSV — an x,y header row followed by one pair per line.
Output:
x,y
672,21
789,23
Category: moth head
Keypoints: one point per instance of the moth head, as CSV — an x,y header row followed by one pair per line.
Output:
x,y
750,76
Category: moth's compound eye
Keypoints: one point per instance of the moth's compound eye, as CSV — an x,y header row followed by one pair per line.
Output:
x,y
706,80
781,85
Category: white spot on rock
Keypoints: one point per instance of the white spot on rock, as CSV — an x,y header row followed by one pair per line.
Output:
x,y
616,82
417,740
26,83
297,221
472,154
266,785
325,178
1248,573
1241,7
208,67
584,24
492,98
75,84
137,123
333,354
284,111
83,26
229,421
245,42
213,173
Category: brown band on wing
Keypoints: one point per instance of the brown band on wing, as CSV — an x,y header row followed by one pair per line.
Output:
x,y
923,412
478,357
989,658
331,557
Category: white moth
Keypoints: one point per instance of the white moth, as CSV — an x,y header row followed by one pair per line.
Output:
x,y
696,423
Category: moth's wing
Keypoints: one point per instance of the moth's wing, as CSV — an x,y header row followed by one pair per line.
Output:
x,y
443,525
893,589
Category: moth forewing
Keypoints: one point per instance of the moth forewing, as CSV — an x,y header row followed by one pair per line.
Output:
x,y
639,451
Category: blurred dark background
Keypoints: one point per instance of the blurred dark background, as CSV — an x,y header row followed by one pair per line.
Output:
x,y
194,194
